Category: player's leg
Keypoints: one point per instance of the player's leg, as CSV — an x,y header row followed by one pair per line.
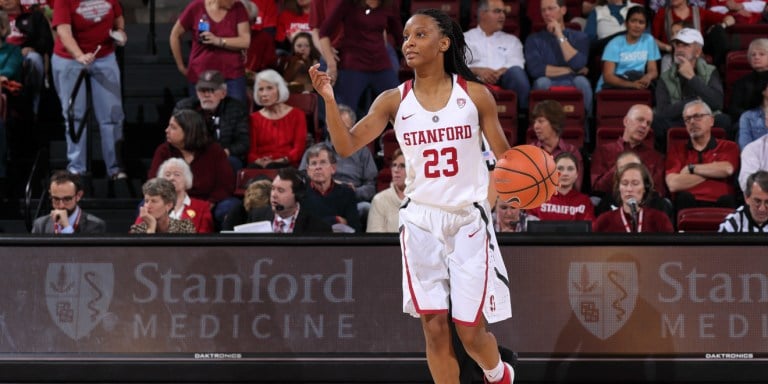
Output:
x,y
471,268
441,358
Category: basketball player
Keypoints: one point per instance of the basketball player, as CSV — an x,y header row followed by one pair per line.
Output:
x,y
449,249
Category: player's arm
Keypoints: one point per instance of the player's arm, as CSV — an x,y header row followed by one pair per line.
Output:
x,y
348,141
489,118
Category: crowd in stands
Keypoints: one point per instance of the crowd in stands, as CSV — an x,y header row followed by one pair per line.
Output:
x,y
241,129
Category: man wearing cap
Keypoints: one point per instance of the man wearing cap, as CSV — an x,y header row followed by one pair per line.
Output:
x,y
225,116
689,78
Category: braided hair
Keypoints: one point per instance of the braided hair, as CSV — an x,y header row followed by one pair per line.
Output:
x,y
456,53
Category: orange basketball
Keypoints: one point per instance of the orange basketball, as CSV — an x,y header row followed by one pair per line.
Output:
x,y
525,176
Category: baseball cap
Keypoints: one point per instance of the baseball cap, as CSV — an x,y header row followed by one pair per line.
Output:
x,y
211,79
689,36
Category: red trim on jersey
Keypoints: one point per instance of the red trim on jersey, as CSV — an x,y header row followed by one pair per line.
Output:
x,y
407,86
485,288
408,272
462,83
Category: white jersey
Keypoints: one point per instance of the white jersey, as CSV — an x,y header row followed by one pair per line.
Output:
x,y
442,150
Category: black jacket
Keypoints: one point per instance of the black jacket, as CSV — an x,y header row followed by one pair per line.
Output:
x,y
233,131
305,222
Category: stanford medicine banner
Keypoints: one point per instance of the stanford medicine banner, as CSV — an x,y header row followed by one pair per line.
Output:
x,y
238,301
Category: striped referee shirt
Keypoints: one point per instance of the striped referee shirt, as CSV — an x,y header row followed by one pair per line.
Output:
x,y
741,221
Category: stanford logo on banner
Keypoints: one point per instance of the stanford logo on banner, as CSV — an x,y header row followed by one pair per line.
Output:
x,y
602,295
78,295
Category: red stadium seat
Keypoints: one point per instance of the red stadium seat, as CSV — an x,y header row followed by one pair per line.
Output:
x,y
736,67
383,179
388,145
701,219
451,7
506,105
612,105
247,174
307,102
745,33
573,105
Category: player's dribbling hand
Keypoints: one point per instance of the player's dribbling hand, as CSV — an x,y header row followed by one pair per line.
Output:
x,y
321,81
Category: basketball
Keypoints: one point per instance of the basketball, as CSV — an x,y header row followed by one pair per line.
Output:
x,y
525,176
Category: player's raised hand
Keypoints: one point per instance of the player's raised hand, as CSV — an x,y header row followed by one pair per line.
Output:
x,y
322,82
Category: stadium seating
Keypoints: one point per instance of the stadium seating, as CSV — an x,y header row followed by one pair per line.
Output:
x,y
307,102
701,219
506,105
736,67
613,104
743,34
450,7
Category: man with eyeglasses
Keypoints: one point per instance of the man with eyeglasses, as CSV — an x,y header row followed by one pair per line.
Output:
x,y
700,172
327,199
497,56
689,78
753,215
67,217
225,116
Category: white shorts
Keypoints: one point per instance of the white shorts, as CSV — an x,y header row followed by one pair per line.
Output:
x,y
448,257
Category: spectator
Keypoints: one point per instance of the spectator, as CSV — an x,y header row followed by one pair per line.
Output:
x,y
697,18
225,117
67,217
256,197
753,215
261,53
637,125
496,56
196,211
334,203
700,171
286,211
629,60
633,189
31,31
608,202
292,19
86,41
690,78
363,57
748,90
187,139
548,119
384,215
296,67
607,20
278,131
220,33
743,11
510,219
358,170
159,200
752,122
558,56
567,203
754,157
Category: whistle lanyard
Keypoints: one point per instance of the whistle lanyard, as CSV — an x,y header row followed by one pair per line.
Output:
x,y
626,225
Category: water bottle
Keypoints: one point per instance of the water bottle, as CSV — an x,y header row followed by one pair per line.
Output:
x,y
202,26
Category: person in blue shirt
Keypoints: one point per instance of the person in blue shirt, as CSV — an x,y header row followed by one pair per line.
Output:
x,y
629,60
752,122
